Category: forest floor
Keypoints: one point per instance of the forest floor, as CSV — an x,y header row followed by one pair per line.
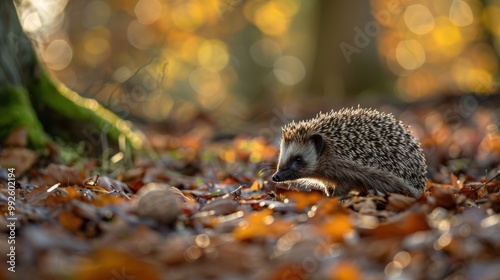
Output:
x,y
200,208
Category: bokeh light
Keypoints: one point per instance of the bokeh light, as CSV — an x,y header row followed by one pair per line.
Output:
x,y
265,51
419,19
213,55
440,47
218,55
58,54
289,70
148,11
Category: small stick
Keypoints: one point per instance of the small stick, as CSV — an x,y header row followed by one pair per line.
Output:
x,y
487,182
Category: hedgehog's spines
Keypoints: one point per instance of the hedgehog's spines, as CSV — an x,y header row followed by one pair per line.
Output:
x,y
367,137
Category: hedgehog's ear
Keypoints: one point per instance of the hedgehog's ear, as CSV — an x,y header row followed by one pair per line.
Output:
x,y
318,143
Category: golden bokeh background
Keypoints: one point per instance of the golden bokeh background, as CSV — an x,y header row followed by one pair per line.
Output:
x,y
441,46
234,59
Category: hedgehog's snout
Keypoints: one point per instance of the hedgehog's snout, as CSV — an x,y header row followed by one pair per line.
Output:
x,y
276,178
283,175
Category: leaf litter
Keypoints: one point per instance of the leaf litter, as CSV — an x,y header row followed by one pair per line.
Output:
x,y
206,209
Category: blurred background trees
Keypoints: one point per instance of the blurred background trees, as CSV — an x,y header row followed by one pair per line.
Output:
x,y
235,61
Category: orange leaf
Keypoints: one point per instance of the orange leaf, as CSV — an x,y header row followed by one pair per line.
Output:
x,y
104,199
454,182
63,195
401,226
336,227
330,206
256,185
70,221
345,271
261,225
304,199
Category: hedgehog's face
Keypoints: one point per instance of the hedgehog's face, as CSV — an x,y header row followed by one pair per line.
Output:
x,y
298,160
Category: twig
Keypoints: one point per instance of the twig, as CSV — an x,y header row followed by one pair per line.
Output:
x,y
487,182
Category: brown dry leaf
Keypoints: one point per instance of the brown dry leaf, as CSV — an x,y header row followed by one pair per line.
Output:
x,y
495,203
110,263
19,158
402,225
261,225
444,198
474,191
221,206
66,175
398,202
17,138
330,206
367,206
70,221
63,195
303,199
345,271
110,184
37,195
454,182
288,272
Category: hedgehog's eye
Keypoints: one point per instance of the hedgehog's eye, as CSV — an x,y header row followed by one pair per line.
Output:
x,y
298,159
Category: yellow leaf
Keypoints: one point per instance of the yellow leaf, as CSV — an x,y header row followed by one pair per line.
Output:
x,y
256,186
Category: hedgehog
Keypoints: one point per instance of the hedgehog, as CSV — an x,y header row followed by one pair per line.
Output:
x,y
352,150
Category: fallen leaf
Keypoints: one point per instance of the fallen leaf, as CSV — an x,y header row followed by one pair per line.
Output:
x,y
454,182
21,159
221,206
66,175
400,226
303,199
256,185
261,225
107,263
444,198
70,221
336,227
330,206
111,184
18,137
398,202
345,271
62,195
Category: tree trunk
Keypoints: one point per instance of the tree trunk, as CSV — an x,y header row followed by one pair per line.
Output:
x,y
30,98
